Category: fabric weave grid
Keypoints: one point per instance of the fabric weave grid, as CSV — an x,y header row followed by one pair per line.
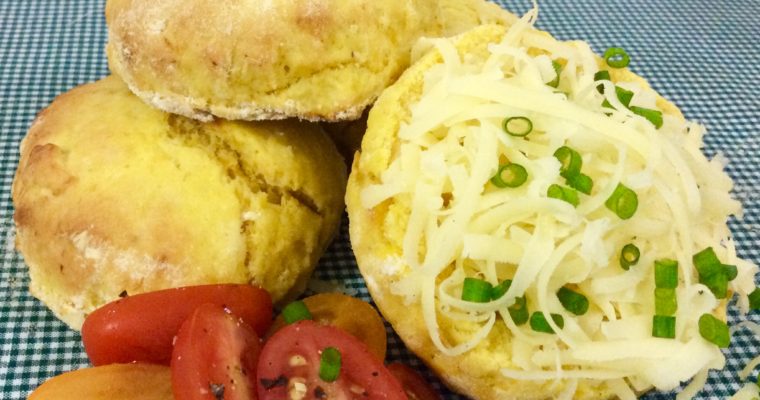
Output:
x,y
703,55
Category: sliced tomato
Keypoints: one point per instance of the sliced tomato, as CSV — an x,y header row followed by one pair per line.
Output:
x,y
109,382
215,357
348,313
415,386
142,327
289,366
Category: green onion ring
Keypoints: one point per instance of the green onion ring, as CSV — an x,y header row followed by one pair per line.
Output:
x,y
517,126
616,57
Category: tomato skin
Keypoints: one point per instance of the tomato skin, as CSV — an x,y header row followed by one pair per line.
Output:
x,y
415,386
141,327
290,358
109,382
215,357
348,313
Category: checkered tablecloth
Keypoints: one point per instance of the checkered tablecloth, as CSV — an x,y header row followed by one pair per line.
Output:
x,y
702,54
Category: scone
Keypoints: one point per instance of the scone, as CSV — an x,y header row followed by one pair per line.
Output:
x,y
499,182
255,60
114,197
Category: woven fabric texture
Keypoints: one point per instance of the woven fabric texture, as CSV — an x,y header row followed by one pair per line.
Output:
x,y
703,55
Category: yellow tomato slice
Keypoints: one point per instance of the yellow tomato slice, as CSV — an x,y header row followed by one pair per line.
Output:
x,y
109,382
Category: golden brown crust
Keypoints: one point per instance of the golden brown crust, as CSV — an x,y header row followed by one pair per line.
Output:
x,y
112,195
315,60
376,236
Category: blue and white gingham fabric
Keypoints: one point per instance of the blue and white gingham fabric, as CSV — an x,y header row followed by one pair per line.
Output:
x,y
703,55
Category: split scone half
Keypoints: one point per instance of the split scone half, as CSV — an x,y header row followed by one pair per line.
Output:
x,y
113,197
534,227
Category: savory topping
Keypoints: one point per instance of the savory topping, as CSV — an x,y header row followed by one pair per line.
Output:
x,y
616,57
517,126
296,311
573,301
329,364
629,256
714,330
476,290
509,175
539,323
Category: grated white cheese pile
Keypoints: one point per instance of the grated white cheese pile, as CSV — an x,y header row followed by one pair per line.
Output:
x,y
460,225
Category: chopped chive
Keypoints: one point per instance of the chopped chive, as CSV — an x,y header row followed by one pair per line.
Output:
x,y
329,364
539,324
754,299
665,301
664,326
581,183
573,301
730,271
519,311
653,116
510,175
570,162
714,330
517,126
602,75
706,262
562,193
476,290
501,289
717,283
623,202
625,97
616,57
557,69
629,255
666,274
295,311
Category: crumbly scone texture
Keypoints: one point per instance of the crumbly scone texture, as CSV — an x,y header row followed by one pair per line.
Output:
x,y
261,60
113,196
377,234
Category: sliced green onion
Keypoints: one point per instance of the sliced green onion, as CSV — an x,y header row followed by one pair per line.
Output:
x,y
581,183
295,311
476,290
653,116
754,299
562,193
664,326
625,97
517,126
616,57
510,175
629,255
558,70
714,330
573,301
623,202
717,283
665,301
501,289
539,324
519,311
706,262
602,75
570,162
730,271
666,274
329,364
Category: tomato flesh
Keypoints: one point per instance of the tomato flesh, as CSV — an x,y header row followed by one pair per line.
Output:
x,y
215,357
141,327
348,313
289,366
415,386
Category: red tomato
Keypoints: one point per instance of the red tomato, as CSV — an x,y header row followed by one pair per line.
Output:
x,y
142,327
415,386
215,357
289,366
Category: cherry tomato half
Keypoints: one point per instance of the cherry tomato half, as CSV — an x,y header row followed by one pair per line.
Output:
x,y
142,327
349,314
290,360
109,382
415,386
215,357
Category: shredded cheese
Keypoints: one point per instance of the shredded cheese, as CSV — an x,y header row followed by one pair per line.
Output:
x,y
461,226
